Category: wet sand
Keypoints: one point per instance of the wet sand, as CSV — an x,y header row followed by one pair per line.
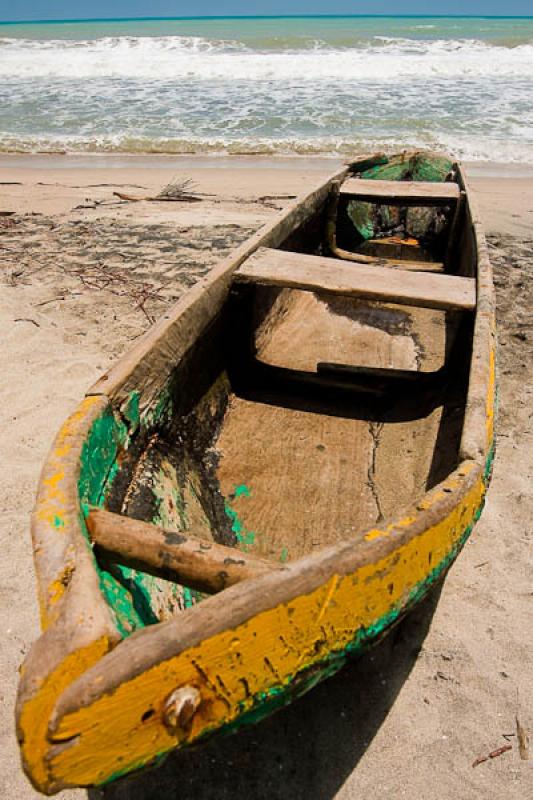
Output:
x,y
82,275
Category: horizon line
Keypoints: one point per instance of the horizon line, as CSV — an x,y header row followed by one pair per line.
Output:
x,y
260,16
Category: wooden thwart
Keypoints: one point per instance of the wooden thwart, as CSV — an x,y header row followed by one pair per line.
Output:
x,y
402,192
332,276
197,563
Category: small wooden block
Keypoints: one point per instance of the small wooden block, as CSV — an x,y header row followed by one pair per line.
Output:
x,y
402,192
333,276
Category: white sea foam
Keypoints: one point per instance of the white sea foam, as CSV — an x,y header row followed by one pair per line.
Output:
x,y
275,93
178,58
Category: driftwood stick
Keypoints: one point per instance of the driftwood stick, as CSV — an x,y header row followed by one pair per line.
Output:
x,y
184,198
523,739
495,754
198,563
130,198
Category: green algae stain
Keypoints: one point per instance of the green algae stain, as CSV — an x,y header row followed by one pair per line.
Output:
x,y
191,597
58,522
130,411
245,538
128,593
98,457
152,417
236,524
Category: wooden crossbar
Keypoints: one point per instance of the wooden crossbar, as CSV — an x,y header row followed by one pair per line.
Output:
x,y
412,193
197,563
333,276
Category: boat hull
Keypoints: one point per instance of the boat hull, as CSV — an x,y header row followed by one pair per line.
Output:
x,y
93,697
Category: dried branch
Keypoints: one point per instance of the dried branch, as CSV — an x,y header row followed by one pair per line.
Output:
x,y
175,191
494,754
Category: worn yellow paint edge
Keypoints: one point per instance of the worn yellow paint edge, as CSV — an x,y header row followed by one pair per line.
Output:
x,y
35,713
123,730
55,515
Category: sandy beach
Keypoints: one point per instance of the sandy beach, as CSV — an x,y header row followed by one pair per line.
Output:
x,y
82,275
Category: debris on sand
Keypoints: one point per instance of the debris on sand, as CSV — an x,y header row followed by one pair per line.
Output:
x,y
175,191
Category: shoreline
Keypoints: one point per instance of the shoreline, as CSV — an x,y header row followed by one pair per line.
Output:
x,y
124,160
233,188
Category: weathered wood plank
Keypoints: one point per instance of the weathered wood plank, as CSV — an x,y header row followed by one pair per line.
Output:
x,y
332,276
404,192
200,564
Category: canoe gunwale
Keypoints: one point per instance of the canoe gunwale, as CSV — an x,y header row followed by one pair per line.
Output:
x,y
77,622
478,427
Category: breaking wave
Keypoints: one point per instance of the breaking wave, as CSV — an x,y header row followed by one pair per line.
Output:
x,y
191,57
454,85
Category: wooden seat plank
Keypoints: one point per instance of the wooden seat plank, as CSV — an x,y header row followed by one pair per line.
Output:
x,y
401,192
333,276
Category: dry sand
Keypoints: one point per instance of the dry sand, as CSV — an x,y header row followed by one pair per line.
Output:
x,y
77,285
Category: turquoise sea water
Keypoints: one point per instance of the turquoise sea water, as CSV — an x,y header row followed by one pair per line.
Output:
x,y
289,85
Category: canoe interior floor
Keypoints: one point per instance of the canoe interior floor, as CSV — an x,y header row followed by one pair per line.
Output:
x,y
301,473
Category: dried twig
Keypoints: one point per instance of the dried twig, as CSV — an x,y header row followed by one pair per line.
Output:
x,y
521,732
523,740
52,300
178,191
117,281
175,191
495,753
129,197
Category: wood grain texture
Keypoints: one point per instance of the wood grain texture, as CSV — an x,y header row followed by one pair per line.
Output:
x,y
201,565
308,473
318,274
401,192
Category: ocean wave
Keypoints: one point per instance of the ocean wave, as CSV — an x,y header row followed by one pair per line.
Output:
x,y
196,58
467,148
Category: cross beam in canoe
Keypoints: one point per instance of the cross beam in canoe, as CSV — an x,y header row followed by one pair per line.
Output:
x,y
405,193
332,276
197,563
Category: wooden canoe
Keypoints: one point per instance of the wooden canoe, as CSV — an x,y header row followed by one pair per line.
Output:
x,y
279,470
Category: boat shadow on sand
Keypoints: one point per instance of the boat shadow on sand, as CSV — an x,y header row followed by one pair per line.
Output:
x,y
306,750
